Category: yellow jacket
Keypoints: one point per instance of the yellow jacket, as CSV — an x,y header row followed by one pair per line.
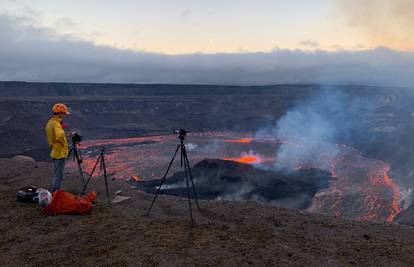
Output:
x,y
57,139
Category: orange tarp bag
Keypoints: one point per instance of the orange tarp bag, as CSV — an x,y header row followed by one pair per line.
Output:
x,y
67,203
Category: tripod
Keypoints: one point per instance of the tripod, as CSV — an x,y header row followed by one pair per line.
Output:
x,y
78,159
102,167
187,171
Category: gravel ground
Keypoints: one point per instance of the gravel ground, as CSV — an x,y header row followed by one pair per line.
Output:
x,y
224,234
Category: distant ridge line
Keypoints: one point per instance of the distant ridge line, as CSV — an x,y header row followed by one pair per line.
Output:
x,y
41,89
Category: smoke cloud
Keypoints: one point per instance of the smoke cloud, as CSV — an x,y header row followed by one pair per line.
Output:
x,y
311,129
386,22
32,53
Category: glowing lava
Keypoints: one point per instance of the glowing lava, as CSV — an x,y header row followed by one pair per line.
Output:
x,y
240,141
245,159
361,190
361,187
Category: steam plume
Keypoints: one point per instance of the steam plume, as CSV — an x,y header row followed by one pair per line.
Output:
x,y
310,130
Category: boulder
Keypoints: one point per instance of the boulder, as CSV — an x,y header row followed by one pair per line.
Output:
x,y
22,158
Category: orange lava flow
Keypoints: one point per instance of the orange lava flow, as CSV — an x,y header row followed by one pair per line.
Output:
x,y
396,197
362,189
240,141
245,159
380,185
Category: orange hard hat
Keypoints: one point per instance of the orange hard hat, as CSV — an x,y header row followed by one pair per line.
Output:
x,y
60,108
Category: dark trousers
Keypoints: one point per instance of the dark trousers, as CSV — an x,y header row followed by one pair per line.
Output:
x,y
58,167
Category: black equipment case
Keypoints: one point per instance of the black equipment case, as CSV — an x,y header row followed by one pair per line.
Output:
x,y
28,194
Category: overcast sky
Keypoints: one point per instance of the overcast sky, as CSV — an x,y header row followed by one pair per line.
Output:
x,y
215,41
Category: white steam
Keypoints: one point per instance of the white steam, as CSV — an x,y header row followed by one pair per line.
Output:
x,y
310,130
406,197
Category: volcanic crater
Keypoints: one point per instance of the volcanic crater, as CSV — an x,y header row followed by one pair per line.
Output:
x,y
134,123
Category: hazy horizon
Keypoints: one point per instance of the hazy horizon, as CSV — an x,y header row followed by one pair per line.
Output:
x,y
255,43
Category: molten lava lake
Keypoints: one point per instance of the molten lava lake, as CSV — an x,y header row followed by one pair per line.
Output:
x,y
148,157
360,188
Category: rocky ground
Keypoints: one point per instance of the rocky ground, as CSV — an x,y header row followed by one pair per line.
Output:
x,y
225,233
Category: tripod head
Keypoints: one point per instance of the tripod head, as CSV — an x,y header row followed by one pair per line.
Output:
x,y
181,133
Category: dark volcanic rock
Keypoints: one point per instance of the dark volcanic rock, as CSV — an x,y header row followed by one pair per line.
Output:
x,y
220,179
406,217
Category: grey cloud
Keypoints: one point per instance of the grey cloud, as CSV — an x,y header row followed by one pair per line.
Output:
x,y
309,43
38,54
65,24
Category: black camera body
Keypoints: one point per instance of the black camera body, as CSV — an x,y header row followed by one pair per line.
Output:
x,y
181,133
76,138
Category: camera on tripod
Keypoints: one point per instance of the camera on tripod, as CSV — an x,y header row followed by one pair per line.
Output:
x,y
181,133
76,138
185,163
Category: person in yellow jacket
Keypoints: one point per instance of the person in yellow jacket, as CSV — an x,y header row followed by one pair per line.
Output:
x,y
58,144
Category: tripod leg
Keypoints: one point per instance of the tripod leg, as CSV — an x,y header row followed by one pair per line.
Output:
x,y
103,166
81,175
70,152
188,187
90,175
187,165
78,161
163,179
181,155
